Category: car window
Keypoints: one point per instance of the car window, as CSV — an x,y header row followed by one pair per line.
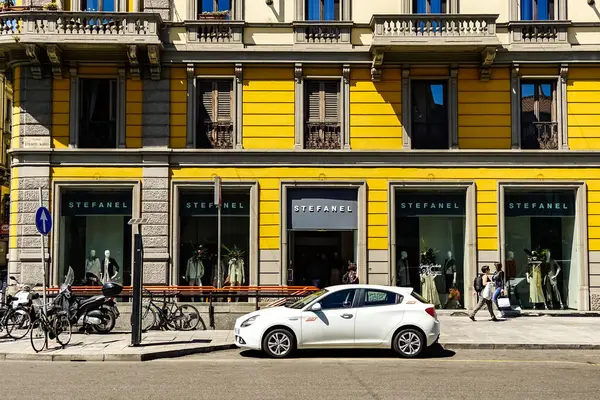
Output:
x,y
380,298
339,299
306,300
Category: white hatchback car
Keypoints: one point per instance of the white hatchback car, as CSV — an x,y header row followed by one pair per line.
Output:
x,y
346,316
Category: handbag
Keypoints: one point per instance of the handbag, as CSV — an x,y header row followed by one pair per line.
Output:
x,y
503,302
486,293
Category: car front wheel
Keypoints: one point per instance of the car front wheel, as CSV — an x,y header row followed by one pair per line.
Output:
x,y
409,343
278,343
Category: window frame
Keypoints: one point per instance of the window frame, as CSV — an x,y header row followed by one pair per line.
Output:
x,y
236,12
322,10
215,92
363,303
120,6
560,10
192,105
452,88
300,11
300,105
560,103
75,106
451,7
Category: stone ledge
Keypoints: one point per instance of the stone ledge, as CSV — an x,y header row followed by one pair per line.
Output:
x,y
522,346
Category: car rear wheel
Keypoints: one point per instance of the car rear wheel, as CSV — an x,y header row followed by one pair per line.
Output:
x,y
409,343
278,343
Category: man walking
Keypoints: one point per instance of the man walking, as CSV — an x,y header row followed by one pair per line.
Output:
x,y
483,288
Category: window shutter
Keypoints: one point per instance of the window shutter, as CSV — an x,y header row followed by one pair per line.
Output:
x,y
224,100
313,100
205,105
332,103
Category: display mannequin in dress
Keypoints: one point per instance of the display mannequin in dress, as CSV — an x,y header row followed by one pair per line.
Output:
x,y
552,271
110,268
237,276
92,268
195,268
428,287
534,278
403,276
450,272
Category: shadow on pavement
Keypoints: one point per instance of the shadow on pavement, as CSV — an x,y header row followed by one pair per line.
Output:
x,y
435,351
166,342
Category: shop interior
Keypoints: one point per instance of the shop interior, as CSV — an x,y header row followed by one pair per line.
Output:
x,y
320,258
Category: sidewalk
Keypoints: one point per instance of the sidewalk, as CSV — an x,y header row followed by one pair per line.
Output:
x,y
527,332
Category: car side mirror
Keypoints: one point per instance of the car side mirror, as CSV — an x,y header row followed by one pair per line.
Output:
x,y
316,307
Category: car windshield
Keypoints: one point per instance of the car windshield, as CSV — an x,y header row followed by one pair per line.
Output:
x,y
307,300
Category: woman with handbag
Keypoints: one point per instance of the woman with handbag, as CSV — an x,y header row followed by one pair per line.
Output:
x,y
485,298
498,280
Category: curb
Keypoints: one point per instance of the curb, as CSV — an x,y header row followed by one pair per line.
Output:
x,y
519,346
155,355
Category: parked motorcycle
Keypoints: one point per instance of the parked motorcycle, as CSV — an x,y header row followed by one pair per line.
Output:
x,y
99,313
19,311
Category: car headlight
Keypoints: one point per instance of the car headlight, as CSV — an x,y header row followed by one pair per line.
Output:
x,y
249,321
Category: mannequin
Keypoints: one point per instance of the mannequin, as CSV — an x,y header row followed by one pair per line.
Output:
x,y
92,268
237,275
534,278
552,272
403,276
428,287
511,265
195,268
110,268
450,272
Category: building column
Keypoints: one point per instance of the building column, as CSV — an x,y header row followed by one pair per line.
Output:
x,y
156,111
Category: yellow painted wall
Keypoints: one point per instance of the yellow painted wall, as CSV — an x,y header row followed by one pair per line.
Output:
x,y
61,91
178,108
16,111
133,105
583,98
268,108
375,110
484,120
94,173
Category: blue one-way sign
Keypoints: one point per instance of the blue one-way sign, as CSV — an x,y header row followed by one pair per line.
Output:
x,y
43,220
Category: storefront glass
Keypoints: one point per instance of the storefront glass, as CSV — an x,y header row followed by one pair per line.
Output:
x,y
430,244
199,237
540,248
95,238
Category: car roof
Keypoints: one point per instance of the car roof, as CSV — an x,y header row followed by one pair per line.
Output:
x,y
397,289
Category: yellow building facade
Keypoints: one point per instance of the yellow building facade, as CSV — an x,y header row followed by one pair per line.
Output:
x,y
412,160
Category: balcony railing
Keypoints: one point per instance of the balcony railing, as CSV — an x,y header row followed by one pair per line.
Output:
x,y
215,32
219,134
322,32
411,26
322,136
539,135
80,26
539,31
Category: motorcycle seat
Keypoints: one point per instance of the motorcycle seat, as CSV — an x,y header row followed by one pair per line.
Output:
x,y
91,300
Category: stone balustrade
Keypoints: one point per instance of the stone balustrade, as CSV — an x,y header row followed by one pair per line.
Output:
x,y
322,32
215,32
539,32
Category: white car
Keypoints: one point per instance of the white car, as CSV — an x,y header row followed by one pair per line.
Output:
x,y
345,316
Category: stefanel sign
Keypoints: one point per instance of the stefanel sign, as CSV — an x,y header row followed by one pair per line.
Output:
x,y
430,203
556,204
316,209
90,203
203,204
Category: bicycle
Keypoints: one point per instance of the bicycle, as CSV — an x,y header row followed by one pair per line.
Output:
x,y
16,320
183,317
53,324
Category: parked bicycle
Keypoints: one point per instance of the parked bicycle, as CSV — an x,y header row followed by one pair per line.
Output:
x,y
18,313
169,315
52,324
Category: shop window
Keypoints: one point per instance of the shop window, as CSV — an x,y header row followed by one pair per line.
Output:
x,y
540,248
430,243
430,6
215,123
95,237
323,10
214,6
429,114
98,113
97,5
198,265
322,114
539,126
539,10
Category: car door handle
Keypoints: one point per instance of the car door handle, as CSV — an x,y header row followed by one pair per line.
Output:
x,y
347,316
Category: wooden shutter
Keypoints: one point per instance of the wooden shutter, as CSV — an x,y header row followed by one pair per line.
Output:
x,y
313,101
331,91
223,100
205,105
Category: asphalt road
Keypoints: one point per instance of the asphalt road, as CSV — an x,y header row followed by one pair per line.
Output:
x,y
466,374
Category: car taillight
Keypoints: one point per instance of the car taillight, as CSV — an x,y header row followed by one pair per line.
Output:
x,y
431,311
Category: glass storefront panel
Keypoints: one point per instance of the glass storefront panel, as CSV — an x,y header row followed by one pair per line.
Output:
x,y
198,237
430,244
95,238
540,248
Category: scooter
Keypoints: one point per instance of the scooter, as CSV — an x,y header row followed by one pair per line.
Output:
x,y
99,313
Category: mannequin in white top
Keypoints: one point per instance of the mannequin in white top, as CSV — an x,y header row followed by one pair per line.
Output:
x,y
403,275
237,275
110,268
450,272
92,267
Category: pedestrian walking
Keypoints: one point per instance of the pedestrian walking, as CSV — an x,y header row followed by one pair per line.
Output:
x,y
498,280
483,287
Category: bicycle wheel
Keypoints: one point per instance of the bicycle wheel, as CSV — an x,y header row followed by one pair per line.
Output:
x,y
17,323
62,329
38,335
148,319
187,317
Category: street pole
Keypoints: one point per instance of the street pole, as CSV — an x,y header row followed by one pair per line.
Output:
x,y
217,201
43,262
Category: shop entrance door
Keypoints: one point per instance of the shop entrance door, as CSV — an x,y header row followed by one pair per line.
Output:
x,y
319,258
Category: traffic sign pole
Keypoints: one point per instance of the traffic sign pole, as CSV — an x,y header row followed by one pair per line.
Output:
x,y
44,222
217,201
